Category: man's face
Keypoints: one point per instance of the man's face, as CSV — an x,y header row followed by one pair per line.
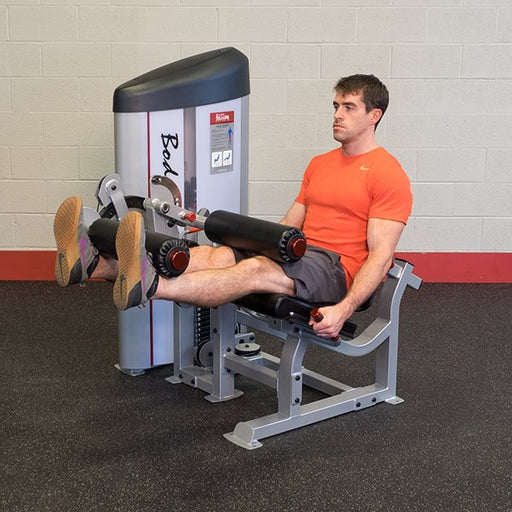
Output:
x,y
351,121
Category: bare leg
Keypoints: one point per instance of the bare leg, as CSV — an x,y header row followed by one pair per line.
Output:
x,y
107,268
201,257
204,257
212,278
217,286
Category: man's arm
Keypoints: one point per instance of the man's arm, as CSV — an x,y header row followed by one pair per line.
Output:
x,y
295,215
382,238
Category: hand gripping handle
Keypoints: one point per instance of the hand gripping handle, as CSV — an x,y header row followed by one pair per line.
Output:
x,y
318,317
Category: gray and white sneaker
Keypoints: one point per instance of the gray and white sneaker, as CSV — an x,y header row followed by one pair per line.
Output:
x,y
76,256
137,279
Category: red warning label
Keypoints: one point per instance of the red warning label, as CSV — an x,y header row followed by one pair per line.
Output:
x,y
222,117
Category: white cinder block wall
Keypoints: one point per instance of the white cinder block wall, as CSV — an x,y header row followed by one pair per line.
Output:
x,y
447,63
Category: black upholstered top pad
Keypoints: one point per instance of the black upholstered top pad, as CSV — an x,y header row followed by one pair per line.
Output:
x,y
282,306
276,305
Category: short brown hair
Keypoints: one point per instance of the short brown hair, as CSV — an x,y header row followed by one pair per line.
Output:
x,y
373,92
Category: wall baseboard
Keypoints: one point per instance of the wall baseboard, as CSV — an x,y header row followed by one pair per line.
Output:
x,y
461,267
432,267
27,265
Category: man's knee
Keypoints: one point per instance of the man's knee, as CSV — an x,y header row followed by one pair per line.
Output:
x,y
265,275
205,257
256,264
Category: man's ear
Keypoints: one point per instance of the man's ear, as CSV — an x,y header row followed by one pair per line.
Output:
x,y
376,115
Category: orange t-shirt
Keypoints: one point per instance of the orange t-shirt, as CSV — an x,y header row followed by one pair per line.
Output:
x,y
342,192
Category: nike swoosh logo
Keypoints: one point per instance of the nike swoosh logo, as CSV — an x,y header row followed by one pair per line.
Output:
x,y
122,286
364,168
61,259
143,276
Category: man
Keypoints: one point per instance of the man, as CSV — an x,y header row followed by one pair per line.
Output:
x,y
352,206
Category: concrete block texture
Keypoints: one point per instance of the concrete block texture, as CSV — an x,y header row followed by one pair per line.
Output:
x,y
181,24
496,234
346,59
5,94
268,96
392,25
3,23
5,163
426,61
257,24
58,190
39,23
487,61
432,199
76,59
78,129
327,25
6,231
451,165
447,65
442,234
504,31
21,128
20,59
272,198
32,231
456,25
483,199
23,196
112,23
286,61
44,95
498,166
40,163
131,59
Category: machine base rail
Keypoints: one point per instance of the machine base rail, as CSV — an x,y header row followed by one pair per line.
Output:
x,y
248,433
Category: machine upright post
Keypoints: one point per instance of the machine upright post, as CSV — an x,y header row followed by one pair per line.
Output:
x,y
289,393
223,335
187,121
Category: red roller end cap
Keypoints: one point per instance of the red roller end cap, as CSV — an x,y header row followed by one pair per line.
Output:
x,y
179,259
298,247
191,217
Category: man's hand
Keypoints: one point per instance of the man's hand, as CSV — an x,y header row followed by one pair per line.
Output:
x,y
333,319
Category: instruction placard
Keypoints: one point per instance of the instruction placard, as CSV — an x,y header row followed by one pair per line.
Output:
x,y
221,141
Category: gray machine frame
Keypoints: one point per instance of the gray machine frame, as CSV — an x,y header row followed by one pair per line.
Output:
x,y
287,374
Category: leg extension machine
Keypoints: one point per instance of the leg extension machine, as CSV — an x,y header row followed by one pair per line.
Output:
x,y
227,346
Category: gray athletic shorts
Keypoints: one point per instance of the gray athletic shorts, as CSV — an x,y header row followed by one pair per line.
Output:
x,y
318,275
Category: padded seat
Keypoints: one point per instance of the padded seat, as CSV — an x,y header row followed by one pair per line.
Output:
x,y
284,307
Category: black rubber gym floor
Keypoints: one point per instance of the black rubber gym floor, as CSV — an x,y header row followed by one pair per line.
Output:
x,y
78,435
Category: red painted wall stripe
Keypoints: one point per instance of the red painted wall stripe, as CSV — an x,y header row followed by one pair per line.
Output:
x,y
27,265
463,267
432,267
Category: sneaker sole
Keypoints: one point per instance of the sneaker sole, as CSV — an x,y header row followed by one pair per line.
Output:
x,y
65,227
128,242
